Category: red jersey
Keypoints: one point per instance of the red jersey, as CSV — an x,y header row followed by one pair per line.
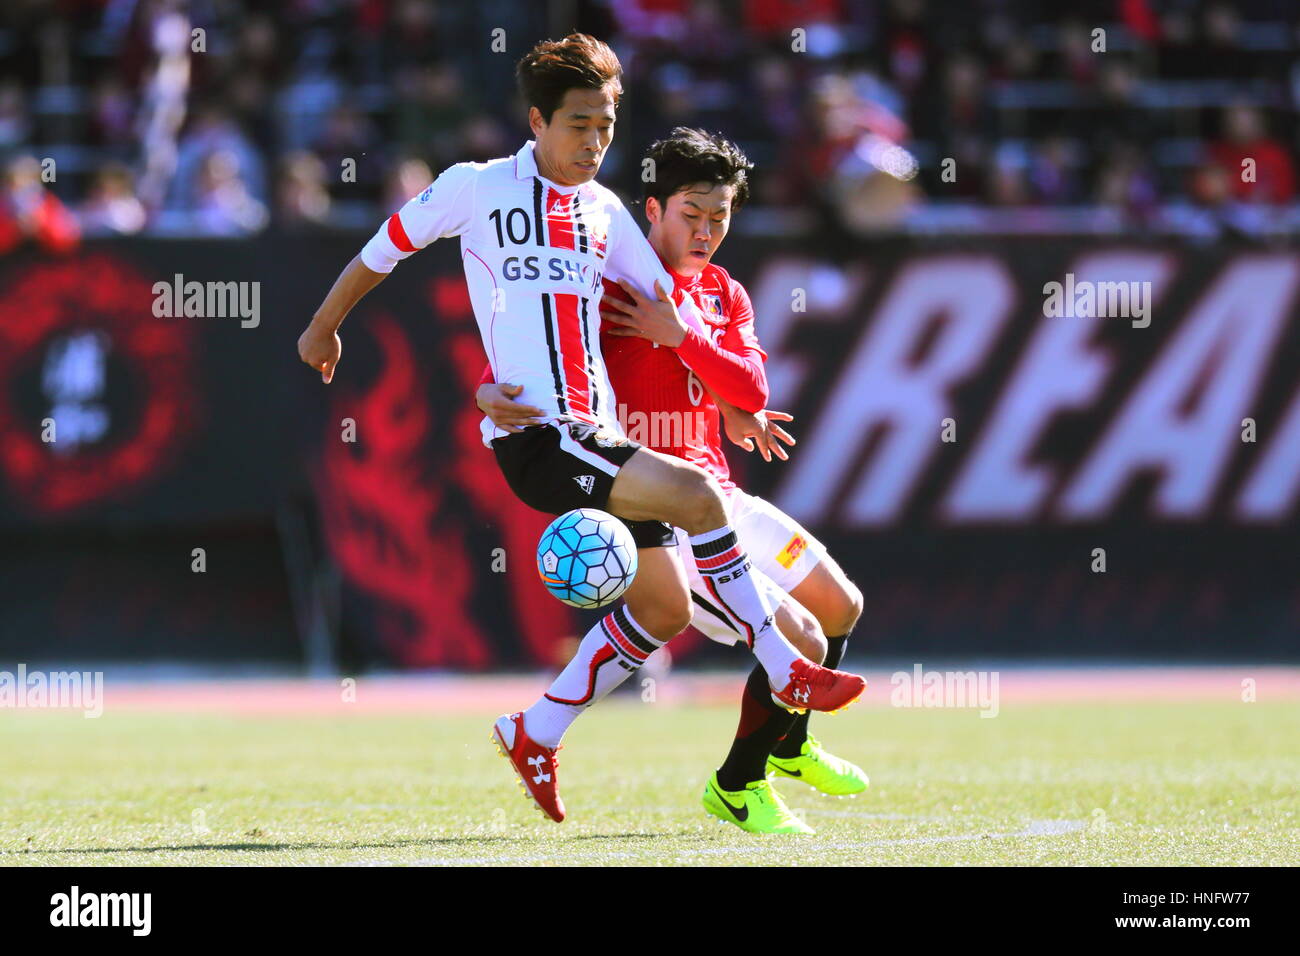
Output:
x,y
660,400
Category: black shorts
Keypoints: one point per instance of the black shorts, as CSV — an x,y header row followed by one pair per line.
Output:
x,y
567,465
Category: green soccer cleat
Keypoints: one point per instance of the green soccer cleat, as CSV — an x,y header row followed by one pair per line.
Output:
x,y
821,770
757,809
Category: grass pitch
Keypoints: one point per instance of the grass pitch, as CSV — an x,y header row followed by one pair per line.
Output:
x,y
1160,783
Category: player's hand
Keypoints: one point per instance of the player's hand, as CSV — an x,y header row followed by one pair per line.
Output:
x,y
759,430
496,401
653,319
320,347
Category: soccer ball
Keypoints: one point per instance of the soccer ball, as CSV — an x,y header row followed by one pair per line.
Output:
x,y
586,558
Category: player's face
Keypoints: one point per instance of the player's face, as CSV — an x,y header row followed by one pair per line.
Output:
x,y
688,229
571,147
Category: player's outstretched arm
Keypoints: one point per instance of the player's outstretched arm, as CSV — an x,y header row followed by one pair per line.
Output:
x,y
319,345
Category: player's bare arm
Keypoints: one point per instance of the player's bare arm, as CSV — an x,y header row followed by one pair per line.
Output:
x,y
319,345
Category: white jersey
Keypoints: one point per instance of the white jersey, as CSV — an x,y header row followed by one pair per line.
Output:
x,y
534,254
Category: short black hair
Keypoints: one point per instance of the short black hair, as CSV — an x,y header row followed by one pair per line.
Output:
x,y
690,156
553,67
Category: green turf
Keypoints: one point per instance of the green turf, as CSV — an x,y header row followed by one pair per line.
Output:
x,y
1148,783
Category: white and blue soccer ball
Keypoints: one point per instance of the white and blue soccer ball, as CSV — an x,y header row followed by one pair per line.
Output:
x,y
586,558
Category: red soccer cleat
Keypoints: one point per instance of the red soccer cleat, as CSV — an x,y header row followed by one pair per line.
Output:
x,y
534,763
813,687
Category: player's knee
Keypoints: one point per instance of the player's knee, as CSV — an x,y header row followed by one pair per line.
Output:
x,y
840,608
667,617
850,608
679,620
700,502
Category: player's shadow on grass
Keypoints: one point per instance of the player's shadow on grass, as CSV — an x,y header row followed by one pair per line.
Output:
x,y
394,844
629,836
259,847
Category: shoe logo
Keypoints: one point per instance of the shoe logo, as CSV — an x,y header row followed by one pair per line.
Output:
x,y
791,773
741,813
800,695
538,763
586,482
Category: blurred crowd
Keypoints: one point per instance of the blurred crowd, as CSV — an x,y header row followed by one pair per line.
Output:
x,y
227,117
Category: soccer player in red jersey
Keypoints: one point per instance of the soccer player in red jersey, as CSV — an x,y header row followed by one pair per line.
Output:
x,y
673,374
537,237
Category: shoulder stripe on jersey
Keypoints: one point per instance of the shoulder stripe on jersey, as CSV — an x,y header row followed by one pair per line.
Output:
x,y
537,211
398,235
555,353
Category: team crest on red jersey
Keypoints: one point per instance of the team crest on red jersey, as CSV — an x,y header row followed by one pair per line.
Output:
x,y
711,306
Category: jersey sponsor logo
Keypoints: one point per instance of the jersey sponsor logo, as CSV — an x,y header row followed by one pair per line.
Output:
x,y
586,483
575,274
425,196
788,555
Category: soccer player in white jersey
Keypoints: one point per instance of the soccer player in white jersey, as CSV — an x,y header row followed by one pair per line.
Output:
x,y
537,237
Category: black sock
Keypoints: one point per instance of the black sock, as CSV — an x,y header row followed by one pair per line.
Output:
x,y
792,743
762,722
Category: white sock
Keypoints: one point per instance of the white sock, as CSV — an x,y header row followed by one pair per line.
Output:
x,y
607,656
733,583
